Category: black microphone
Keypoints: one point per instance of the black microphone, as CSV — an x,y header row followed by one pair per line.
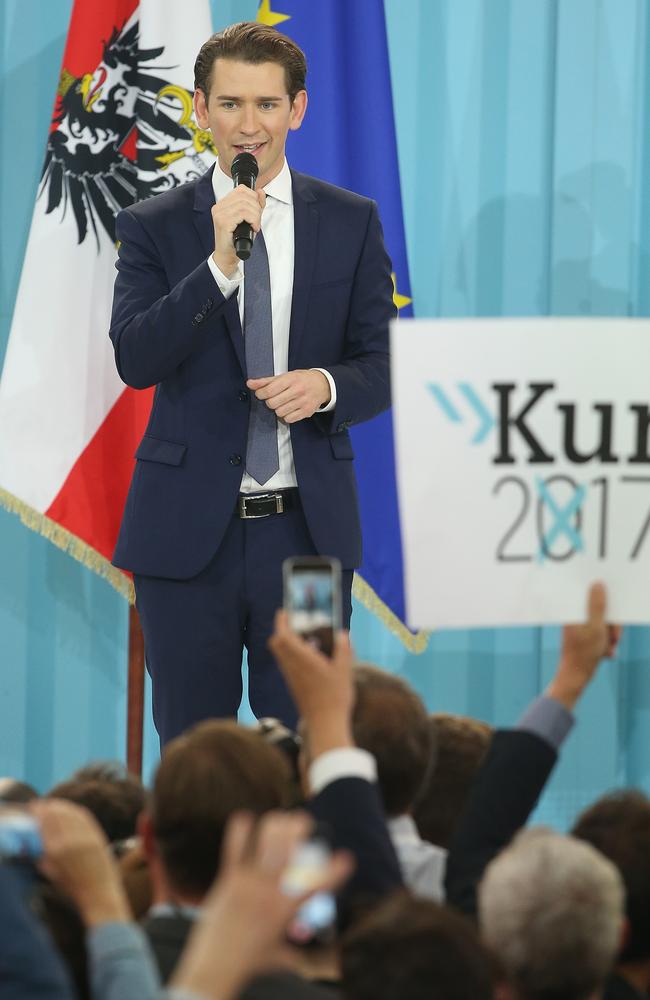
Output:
x,y
244,170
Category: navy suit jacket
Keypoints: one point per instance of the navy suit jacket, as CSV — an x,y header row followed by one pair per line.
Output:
x,y
505,792
171,327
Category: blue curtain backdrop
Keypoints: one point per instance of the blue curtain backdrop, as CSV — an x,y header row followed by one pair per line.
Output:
x,y
524,157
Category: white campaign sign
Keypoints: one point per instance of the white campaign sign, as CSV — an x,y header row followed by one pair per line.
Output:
x,y
523,461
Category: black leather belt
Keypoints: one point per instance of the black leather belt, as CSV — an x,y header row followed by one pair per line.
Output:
x,y
263,504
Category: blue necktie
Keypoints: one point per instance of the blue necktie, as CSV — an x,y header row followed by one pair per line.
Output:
x,y
262,459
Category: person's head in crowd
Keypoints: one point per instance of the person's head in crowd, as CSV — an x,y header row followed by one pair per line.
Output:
x,y
551,908
618,825
16,792
114,797
390,721
461,746
415,949
102,770
211,771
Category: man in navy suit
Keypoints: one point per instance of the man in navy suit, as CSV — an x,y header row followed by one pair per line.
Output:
x,y
204,538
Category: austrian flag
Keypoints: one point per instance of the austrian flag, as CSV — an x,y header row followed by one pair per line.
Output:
x,y
122,130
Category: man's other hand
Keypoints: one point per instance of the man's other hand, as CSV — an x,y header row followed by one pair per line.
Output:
x,y
293,396
583,647
321,686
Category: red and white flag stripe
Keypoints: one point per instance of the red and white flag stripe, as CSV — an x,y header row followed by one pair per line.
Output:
x,y
121,130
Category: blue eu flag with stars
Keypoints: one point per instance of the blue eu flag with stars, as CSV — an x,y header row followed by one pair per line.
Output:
x,y
348,138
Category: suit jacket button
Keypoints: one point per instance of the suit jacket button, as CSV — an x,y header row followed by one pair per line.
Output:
x,y
199,318
235,459
243,395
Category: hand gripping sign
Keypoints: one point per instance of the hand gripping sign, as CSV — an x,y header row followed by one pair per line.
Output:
x,y
523,460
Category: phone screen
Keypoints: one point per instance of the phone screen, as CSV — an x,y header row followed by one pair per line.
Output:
x,y
316,917
20,837
312,596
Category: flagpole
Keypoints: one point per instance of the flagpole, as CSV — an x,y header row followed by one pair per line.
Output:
x,y
135,695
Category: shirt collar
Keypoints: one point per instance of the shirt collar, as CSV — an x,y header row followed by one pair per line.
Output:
x,y
403,827
279,188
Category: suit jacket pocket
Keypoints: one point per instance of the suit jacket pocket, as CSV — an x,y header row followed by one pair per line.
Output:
x,y
153,449
341,446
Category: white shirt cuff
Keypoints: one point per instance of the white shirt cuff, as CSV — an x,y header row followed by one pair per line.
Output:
x,y
332,402
344,762
226,285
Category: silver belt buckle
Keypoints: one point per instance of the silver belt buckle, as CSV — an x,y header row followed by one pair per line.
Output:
x,y
279,506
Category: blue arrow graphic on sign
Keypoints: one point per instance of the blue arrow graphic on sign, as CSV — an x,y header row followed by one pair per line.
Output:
x,y
480,410
444,403
484,415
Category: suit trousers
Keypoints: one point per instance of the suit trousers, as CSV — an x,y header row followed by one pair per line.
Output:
x,y
195,630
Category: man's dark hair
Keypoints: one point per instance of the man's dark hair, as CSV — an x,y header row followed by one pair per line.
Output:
x,y
461,745
114,797
391,722
618,825
213,769
255,43
414,948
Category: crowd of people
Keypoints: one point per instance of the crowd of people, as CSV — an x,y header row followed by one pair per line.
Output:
x,y
217,882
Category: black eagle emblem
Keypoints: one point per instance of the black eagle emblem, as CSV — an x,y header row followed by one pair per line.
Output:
x,y
92,165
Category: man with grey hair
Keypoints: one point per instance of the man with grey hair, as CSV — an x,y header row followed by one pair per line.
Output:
x,y
551,907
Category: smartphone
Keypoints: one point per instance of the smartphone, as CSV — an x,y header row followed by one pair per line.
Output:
x,y
312,598
20,837
315,920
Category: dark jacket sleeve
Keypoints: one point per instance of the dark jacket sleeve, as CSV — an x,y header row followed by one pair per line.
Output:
x,y
506,790
362,377
352,810
154,328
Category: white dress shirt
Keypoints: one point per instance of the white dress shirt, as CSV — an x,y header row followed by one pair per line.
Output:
x,y
422,864
278,229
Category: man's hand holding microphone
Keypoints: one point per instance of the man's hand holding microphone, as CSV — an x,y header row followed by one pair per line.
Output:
x,y
242,206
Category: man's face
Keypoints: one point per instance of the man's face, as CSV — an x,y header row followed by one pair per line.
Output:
x,y
249,111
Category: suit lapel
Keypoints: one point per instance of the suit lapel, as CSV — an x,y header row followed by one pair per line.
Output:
x,y
203,202
305,224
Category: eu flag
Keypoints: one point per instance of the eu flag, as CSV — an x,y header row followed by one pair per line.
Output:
x,y
348,138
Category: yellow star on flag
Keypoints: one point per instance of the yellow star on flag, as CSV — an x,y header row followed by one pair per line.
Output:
x,y
267,16
399,300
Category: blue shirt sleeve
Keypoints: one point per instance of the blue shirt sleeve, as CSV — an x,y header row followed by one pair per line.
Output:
x,y
546,718
120,964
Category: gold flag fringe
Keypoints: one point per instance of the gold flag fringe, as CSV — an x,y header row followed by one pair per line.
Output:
x,y
70,543
93,560
414,642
